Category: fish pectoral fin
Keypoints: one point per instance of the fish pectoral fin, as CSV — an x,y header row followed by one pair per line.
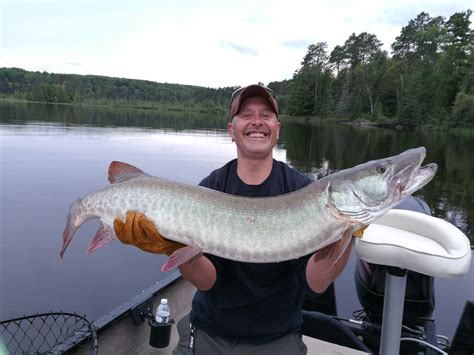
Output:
x,y
103,236
180,256
343,244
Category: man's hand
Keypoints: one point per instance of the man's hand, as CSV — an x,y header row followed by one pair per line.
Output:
x,y
140,232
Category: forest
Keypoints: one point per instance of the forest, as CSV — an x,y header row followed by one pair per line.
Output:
x,y
426,81
101,90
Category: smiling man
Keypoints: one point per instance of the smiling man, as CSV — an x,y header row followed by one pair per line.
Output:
x,y
246,308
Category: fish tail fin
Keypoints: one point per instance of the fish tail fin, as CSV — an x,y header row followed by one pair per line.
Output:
x,y
104,235
70,228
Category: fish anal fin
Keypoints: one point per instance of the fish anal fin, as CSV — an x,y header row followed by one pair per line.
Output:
x,y
180,256
119,172
103,236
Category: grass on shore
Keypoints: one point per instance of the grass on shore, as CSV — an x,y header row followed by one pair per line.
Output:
x,y
125,104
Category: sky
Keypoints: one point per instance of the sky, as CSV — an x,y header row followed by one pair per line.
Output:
x,y
211,43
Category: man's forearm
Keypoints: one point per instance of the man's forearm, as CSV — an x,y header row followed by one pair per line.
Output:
x,y
200,272
317,278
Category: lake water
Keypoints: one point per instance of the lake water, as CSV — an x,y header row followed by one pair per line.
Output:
x,y
51,155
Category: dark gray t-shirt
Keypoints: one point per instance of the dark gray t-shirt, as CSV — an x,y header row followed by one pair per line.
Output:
x,y
253,302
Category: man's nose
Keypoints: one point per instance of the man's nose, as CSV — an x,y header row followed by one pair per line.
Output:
x,y
257,119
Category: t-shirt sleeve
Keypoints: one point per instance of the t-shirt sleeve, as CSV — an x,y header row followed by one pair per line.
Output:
x,y
205,182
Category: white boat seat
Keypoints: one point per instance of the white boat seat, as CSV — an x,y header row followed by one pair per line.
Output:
x,y
416,241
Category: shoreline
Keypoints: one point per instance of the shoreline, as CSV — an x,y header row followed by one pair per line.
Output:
x,y
157,107
361,123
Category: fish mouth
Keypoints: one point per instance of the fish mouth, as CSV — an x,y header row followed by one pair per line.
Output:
x,y
410,175
419,178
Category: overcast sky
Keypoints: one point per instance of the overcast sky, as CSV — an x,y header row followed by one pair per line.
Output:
x,y
206,43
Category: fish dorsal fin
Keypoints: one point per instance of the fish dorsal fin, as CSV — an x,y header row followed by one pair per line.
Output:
x,y
119,172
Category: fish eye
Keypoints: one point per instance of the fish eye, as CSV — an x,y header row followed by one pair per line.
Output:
x,y
380,168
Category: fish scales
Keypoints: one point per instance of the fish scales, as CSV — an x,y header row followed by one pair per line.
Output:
x,y
214,220
260,230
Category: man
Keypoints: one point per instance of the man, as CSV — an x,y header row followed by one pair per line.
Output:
x,y
244,308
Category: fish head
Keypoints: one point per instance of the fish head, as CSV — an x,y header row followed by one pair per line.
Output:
x,y
367,191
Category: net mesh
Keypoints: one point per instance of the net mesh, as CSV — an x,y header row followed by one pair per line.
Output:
x,y
48,333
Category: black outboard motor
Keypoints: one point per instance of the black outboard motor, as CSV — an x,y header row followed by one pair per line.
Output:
x,y
370,284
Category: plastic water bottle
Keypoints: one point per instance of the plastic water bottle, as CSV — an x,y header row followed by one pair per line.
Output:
x,y
163,312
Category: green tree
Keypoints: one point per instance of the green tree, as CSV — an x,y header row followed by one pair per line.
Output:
x,y
453,66
463,110
390,89
418,51
359,63
311,82
301,98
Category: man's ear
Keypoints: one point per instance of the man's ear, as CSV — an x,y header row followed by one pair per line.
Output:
x,y
230,129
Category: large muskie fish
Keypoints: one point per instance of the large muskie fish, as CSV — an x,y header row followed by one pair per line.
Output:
x,y
258,230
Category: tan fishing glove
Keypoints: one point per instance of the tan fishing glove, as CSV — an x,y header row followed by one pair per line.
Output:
x,y
139,231
359,233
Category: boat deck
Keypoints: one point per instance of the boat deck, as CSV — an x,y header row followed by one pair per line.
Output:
x,y
123,337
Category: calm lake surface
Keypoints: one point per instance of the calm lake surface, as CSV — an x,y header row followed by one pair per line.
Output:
x,y
51,155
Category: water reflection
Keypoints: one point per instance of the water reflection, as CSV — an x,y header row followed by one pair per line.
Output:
x,y
11,113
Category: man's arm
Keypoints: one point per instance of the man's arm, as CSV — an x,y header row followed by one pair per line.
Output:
x,y
322,268
199,271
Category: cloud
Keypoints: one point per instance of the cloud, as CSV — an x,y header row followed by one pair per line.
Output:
x,y
259,17
401,12
238,48
298,44
160,41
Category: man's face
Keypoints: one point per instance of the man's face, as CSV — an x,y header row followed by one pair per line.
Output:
x,y
255,129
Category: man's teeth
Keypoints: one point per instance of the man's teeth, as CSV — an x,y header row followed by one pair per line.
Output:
x,y
256,135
